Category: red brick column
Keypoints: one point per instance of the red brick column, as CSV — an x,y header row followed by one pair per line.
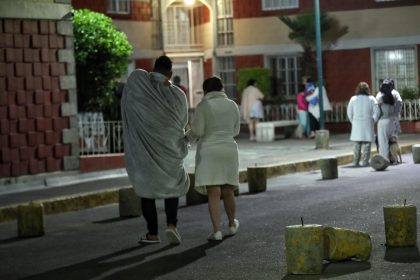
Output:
x,y
31,98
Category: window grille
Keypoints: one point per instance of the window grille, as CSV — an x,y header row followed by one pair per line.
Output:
x,y
156,25
224,23
227,73
119,6
286,75
399,64
279,4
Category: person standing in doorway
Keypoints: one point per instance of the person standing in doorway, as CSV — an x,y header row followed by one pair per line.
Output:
x,y
251,107
216,122
362,112
154,114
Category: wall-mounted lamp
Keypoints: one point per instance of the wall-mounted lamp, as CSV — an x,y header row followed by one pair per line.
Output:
x,y
189,2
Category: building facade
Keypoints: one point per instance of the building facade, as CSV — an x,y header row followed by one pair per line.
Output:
x,y
208,37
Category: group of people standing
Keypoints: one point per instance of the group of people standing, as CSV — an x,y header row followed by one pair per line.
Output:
x,y
308,108
364,110
155,115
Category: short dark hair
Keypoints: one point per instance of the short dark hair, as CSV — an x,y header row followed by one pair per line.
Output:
x,y
212,84
177,80
163,65
251,82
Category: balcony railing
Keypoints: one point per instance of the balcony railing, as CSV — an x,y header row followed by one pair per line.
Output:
x,y
105,137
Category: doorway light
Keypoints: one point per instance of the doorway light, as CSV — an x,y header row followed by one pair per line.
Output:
x,y
189,2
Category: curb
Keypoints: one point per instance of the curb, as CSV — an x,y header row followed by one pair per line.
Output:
x,y
93,199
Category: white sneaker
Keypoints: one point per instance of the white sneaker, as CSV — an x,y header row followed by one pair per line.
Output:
x,y
216,236
173,236
233,229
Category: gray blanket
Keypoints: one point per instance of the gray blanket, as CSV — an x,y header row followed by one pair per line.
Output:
x,y
154,114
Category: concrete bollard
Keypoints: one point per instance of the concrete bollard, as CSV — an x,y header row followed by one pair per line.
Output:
x,y
304,249
341,244
30,220
329,169
193,197
379,163
400,225
322,139
257,179
416,153
129,203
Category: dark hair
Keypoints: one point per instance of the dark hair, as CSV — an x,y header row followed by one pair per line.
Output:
x,y
386,89
212,84
301,88
177,80
163,65
251,82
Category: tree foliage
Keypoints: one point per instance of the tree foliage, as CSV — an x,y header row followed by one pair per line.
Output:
x,y
302,31
261,75
102,55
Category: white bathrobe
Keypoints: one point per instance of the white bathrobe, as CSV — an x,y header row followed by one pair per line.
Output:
x,y
314,108
154,114
216,122
362,112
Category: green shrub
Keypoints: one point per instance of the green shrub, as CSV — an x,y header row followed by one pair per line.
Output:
x,y
410,93
261,75
102,54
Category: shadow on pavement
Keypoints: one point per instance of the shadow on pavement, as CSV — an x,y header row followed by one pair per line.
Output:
x,y
131,267
402,254
113,220
333,270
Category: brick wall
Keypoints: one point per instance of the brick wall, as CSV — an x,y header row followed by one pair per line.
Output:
x,y
31,126
249,61
146,64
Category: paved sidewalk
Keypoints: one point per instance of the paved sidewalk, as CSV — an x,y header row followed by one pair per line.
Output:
x,y
104,185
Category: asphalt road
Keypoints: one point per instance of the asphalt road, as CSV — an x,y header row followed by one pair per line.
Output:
x,y
96,244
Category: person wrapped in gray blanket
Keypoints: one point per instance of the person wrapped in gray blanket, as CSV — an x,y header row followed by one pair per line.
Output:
x,y
154,114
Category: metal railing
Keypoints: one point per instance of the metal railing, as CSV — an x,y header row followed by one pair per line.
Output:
x,y
105,137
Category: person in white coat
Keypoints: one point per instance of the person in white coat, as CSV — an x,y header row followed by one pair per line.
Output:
x,y
251,107
362,112
216,122
313,108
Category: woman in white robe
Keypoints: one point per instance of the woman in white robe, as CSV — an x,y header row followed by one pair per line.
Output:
x,y
251,107
216,122
362,112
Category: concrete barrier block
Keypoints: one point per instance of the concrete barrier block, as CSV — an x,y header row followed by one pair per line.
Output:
x,y
341,244
400,225
322,139
257,179
304,249
379,163
30,220
329,169
416,153
129,203
193,197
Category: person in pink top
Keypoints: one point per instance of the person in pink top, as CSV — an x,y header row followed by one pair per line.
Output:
x,y
302,109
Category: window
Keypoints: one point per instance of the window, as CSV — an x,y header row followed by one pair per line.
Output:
x,y
399,64
226,69
119,6
268,5
156,25
224,23
286,75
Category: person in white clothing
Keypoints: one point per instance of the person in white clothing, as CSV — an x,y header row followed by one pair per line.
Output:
x,y
397,108
362,112
251,106
313,109
216,122
386,123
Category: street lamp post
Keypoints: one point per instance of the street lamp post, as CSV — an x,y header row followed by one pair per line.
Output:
x,y
319,64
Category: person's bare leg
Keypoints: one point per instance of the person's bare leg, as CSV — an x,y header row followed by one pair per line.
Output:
x,y
251,132
214,206
255,128
229,203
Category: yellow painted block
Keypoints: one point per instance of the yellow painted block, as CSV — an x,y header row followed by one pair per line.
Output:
x,y
341,244
30,220
400,225
304,249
